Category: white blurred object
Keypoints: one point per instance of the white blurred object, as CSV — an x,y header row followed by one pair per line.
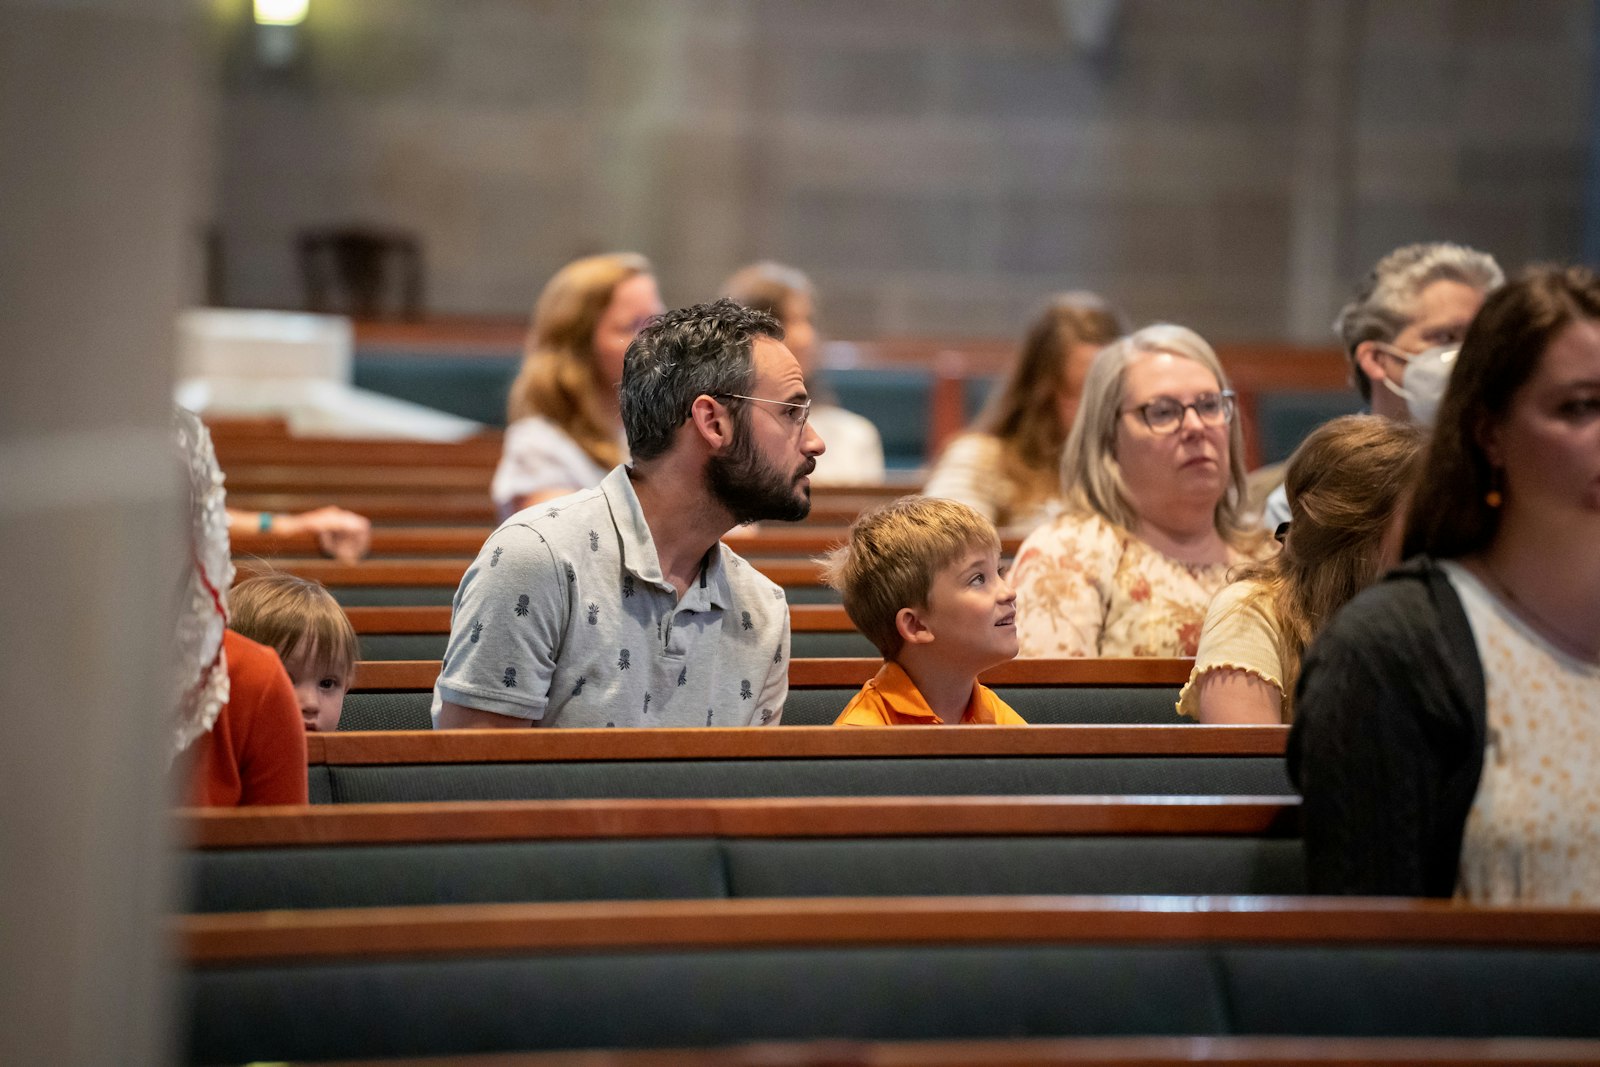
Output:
x,y
298,367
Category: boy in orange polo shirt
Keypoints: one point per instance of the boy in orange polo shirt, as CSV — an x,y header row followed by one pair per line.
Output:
x,y
921,578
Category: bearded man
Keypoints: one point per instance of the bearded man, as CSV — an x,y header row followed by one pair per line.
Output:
x,y
620,605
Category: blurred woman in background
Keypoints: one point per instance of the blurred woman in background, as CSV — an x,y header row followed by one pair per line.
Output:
x,y
564,431
855,449
1009,467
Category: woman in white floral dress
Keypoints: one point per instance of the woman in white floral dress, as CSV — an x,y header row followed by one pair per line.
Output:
x,y
1153,476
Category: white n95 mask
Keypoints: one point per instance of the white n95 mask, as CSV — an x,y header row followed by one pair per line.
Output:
x,y
1427,374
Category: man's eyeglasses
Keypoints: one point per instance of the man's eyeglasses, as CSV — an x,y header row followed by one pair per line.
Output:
x,y
796,414
1165,415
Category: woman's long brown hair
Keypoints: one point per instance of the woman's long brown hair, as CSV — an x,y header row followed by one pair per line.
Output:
x,y
1025,412
1345,484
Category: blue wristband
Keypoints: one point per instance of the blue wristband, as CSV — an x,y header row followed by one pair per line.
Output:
x,y
264,523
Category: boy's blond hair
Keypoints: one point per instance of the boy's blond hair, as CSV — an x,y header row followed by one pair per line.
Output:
x,y
891,558
280,611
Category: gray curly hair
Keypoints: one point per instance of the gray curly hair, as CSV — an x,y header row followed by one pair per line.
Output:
x,y
1386,300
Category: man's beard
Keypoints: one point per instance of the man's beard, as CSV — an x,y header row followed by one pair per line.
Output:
x,y
751,489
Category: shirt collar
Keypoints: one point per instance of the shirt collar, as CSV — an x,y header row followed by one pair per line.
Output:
x,y
639,556
906,699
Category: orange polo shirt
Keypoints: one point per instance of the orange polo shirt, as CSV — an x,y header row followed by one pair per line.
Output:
x,y
892,699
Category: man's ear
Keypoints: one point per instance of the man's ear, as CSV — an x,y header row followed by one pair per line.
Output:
x,y
1369,362
913,631
712,421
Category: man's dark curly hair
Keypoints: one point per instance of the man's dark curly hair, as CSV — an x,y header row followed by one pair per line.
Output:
x,y
700,350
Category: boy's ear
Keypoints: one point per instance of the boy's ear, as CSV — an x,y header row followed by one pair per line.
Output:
x,y
912,630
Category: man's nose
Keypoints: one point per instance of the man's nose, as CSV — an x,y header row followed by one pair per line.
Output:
x,y
811,442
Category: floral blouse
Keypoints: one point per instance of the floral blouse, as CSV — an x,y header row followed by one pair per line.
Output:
x,y
1086,587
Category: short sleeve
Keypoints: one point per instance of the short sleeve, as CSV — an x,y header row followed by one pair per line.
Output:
x,y
1238,634
537,457
969,472
507,626
1063,577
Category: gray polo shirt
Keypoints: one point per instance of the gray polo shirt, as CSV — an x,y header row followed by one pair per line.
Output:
x,y
565,618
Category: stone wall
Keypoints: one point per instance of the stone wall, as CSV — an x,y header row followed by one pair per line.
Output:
x,y
936,165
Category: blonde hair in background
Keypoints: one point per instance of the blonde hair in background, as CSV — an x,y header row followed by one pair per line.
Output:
x,y
561,379
891,558
1091,478
1345,484
281,611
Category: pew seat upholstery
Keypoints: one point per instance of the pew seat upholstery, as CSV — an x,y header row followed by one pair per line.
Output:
x,y
1085,775
495,872
417,982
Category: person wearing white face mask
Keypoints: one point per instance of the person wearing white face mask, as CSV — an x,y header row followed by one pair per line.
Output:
x,y
1401,329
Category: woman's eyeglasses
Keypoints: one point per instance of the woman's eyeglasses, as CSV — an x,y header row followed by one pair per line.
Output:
x,y
1165,415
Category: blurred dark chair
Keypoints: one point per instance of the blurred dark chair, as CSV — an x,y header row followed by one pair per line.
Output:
x,y
363,272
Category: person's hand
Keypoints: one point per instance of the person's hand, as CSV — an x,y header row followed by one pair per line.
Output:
x,y
342,534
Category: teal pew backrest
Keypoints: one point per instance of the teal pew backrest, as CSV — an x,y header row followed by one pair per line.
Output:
x,y
1075,775
1039,705
264,879
472,387
484,1001
897,401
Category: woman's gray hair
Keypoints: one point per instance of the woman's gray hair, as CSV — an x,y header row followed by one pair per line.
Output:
x,y
1091,477
1385,302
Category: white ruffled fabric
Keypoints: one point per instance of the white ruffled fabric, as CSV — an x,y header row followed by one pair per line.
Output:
x,y
201,681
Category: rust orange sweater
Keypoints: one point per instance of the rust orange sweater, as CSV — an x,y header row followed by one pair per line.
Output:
x,y
256,752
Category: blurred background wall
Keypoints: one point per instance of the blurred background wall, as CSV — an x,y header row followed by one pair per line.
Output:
x,y
937,165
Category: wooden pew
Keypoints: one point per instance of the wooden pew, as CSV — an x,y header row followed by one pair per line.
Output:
x,y
773,539
334,482
371,855
424,509
424,582
452,507
394,694
238,450
1060,1052
648,974
388,767
402,633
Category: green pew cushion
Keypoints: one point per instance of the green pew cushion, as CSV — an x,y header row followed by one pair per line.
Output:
x,y
975,866
693,998
352,876
942,776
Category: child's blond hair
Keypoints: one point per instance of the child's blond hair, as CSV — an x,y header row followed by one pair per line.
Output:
x,y
891,558
281,611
